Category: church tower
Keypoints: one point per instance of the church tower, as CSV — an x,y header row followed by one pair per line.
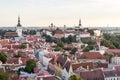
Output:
x,y
80,23
19,28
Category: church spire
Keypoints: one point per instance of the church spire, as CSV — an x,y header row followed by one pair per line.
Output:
x,y
19,28
18,19
80,22
18,25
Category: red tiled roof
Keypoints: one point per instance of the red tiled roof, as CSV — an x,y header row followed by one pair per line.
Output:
x,y
49,55
84,65
114,51
49,78
67,66
117,68
110,73
91,55
15,60
14,46
4,41
92,75
102,65
59,35
31,38
62,61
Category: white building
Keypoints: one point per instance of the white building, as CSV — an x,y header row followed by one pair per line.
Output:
x,y
69,33
111,75
116,60
82,35
97,32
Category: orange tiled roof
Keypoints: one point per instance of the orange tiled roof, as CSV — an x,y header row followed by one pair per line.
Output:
x,y
15,60
84,65
31,38
92,75
4,41
59,35
91,55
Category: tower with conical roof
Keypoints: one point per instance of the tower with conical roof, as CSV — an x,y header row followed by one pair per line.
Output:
x,y
19,27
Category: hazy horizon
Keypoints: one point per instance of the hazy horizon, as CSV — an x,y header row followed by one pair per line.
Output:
x,y
60,12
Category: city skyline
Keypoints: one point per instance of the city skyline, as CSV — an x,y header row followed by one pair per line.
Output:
x,y
60,12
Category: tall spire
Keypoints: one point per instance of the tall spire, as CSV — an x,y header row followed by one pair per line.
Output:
x,y
80,22
18,19
18,25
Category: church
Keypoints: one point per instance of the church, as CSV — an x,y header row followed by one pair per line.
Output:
x,y
13,34
19,28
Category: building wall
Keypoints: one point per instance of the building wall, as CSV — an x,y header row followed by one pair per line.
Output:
x,y
19,31
112,78
68,34
116,60
93,60
97,33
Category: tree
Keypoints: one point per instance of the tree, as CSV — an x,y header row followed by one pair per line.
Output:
x,y
86,49
73,51
90,31
69,39
4,75
23,46
3,57
30,65
48,38
107,43
91,42
57,48
60,45
110,55
74,77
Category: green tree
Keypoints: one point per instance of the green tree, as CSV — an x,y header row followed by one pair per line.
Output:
x,y
88,48
3,57
30,65
74,77
4,75
69,39
73,51
60,44
19,70
57,48
110,55
90,31
23,46
107,43
91,42
48,38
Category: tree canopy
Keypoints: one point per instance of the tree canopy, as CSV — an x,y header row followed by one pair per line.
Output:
x,y
30,65
74,77
23,46
3,57
4,75
111,41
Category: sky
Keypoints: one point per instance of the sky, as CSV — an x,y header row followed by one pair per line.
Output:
x,y
92,13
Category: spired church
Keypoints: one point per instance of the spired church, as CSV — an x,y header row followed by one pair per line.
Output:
x,y
17,33
19,28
